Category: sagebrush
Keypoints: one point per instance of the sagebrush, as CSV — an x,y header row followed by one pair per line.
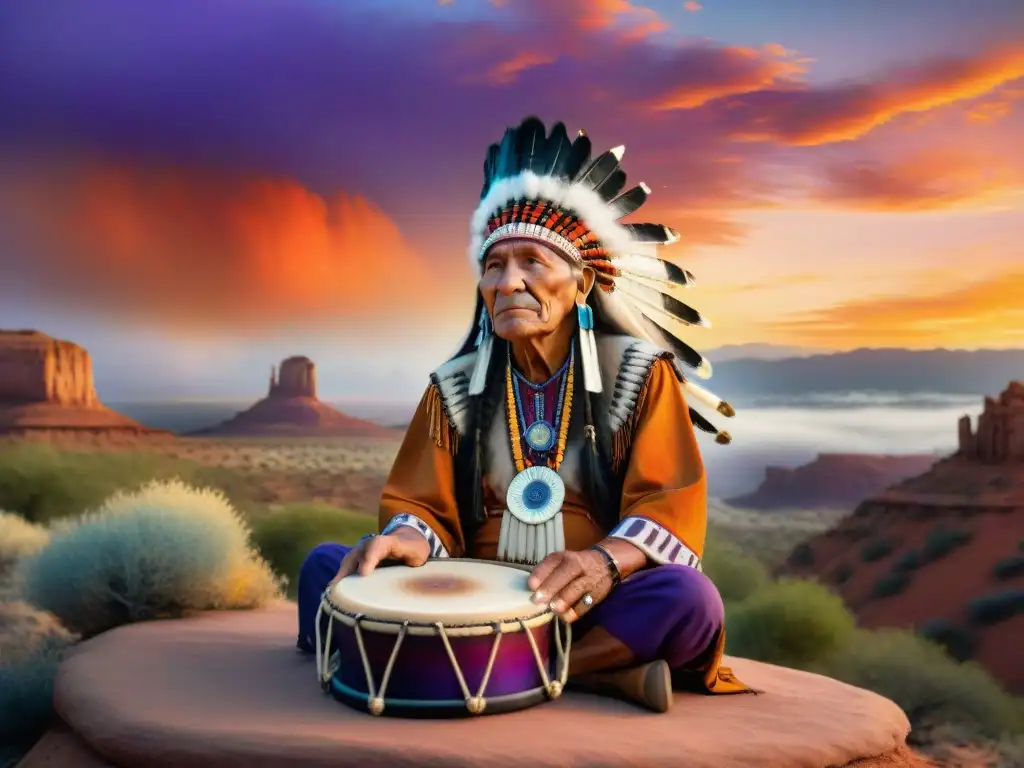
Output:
x,y
286,536
159,552
927,684
18,538
31,645
789,622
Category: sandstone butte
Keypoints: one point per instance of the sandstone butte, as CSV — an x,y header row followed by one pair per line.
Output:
x,y
46,388
292,409
832,480
229,689
876,556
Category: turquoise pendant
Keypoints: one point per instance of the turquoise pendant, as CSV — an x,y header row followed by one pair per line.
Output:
x,y
540,436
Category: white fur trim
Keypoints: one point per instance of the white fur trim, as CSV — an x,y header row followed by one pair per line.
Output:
x,y
578,198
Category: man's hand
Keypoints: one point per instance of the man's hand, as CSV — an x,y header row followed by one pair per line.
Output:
x,y
404,545
562,579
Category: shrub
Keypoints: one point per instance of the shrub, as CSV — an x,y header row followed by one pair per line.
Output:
x,y
958,642
802,555
908,561
1009,567
789,622
162,551
928,685
891,584
941,541
31,644
842,573
285,537
18,538
998,606
41,483
875,550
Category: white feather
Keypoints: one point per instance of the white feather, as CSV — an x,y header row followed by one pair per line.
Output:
x,y
651,297
676,291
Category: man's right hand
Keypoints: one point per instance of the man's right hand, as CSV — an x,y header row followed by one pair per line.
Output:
x,y
405,545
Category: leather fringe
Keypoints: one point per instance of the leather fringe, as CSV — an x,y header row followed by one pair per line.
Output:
x,y
441,430
622,439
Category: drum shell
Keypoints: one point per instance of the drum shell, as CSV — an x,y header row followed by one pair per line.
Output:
x,y
423,671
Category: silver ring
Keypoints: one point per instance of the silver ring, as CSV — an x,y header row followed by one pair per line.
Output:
x,y
588,600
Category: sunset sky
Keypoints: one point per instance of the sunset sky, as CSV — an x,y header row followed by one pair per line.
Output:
x,y
194,189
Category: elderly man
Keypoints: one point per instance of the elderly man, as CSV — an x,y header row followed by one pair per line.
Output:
x,y
571,366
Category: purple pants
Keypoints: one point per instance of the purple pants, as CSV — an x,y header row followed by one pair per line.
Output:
x,y
670,612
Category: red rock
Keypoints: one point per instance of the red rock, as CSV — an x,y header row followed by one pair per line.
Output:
x,y
832,480
47,385
291,409
297,379
226,689
1000,433
978,493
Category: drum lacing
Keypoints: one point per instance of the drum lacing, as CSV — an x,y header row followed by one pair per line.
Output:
x,y
553,688
475,704
375,702
322,650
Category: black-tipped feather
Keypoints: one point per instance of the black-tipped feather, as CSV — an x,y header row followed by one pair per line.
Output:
x,y
652,233
490,166
701,423
681,311
611,186
569,163
630,200
597,172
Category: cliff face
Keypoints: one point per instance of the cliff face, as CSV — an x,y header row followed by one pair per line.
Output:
x,y
37,369
297,379
832,480
942,549
46,390
1000,434
291,409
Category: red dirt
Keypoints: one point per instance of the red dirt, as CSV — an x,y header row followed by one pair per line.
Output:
x,y
942,588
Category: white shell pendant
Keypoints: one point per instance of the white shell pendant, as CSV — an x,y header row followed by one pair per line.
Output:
x,y
535,495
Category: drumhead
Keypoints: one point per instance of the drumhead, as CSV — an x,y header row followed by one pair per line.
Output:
x,y
449,590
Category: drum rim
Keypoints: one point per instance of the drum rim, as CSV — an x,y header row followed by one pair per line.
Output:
x,y
542,611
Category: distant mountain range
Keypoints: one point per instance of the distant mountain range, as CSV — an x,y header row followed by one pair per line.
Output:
x,y
756,351
940,371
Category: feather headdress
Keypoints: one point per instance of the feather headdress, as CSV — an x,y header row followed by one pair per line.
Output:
x,y
548,188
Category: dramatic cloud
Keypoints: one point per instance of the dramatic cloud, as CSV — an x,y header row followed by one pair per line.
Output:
x,y
927,180
399,108
820,115
194,251
987,311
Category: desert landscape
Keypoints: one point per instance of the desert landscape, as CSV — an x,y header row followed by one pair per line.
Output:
x,y
300,472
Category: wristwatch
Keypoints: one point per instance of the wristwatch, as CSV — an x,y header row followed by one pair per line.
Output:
x,y
613,564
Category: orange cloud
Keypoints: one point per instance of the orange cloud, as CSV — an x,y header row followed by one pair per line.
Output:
x,y
739,70
939,178
993,109
692,5
184,249
810,116
638,21
984,312
507,71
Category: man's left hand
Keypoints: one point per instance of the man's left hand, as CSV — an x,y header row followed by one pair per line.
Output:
x,y
563,578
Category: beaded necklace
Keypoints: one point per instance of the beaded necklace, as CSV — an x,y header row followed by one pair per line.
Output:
x,y
516,416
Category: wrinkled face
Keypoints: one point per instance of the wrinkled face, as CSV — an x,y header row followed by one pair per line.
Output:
x,y
528,288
